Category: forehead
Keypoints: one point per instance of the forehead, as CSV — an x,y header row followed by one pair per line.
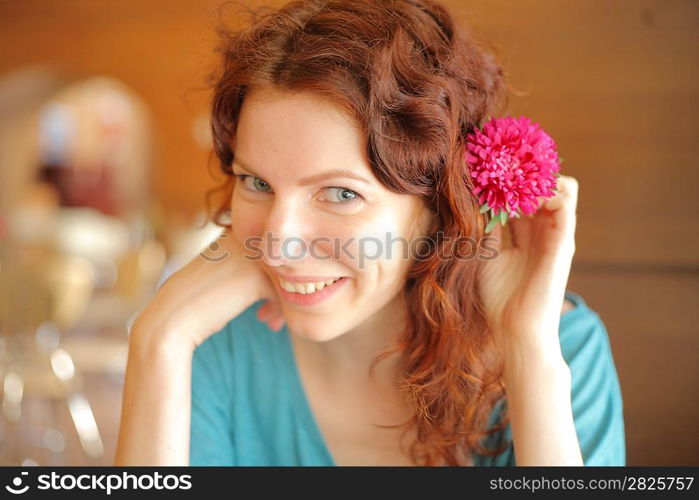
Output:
x,y
297,123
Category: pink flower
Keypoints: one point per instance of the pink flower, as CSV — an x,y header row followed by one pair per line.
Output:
x,y
512,163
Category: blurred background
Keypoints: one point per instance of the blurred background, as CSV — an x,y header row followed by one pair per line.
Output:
x,y
105,159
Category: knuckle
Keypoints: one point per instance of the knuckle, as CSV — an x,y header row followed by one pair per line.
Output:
x,y
569,181
575,185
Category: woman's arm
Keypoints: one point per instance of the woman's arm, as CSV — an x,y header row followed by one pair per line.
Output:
x,y
155,418
538,388
192,305
522,291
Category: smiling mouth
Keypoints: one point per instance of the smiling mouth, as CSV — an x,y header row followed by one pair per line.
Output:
x,y
305,288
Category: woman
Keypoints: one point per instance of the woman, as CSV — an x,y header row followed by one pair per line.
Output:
x,y
341,125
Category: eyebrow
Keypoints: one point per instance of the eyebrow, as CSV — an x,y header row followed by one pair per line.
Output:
x,y
313,179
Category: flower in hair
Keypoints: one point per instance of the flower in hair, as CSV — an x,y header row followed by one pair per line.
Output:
x,y
512,162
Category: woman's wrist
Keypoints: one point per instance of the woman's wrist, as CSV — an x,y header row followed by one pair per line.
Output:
x,y
538,390
525,355
159,340
155,420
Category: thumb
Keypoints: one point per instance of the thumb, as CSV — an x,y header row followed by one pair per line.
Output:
x,y
503,236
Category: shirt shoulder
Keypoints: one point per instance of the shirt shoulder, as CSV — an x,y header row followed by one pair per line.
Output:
x,y
220,366
596,397
248,406
596,393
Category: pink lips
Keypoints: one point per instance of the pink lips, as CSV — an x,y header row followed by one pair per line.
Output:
x,y
310,299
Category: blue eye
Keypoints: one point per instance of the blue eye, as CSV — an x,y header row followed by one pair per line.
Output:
x,y
257,184
344,195
339,195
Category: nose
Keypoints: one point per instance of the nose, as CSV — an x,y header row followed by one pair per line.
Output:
x,y
284,240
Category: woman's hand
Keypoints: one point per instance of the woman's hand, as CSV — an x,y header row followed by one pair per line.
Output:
x,y
523,288
214,287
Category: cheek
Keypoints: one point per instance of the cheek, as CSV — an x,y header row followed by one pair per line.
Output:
x,y
374,248
246,220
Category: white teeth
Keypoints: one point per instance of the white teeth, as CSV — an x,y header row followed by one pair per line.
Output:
x,y
305,288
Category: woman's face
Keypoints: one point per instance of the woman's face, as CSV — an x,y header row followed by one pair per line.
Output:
x,y
309,222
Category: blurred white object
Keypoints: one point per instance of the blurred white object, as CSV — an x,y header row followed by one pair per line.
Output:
x,y
86,425
90,234
189,242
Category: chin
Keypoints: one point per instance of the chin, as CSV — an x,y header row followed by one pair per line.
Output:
x,y
313,331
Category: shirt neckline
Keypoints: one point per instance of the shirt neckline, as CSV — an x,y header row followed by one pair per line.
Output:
x,y
301,399
301,402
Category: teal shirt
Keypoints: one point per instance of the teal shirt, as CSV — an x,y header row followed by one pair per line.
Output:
x,y
249,406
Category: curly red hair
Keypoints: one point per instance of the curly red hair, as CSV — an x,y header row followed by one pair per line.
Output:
x,y
417,84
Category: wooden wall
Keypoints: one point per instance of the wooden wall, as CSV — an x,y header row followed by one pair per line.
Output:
x,y
615,82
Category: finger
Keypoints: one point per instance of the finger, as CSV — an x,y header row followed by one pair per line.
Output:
x,y
271,313
566,196
521,228
276,324
275,309
505,239
563,204
265,312
496,233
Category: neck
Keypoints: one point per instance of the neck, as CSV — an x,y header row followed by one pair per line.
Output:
x,y
349,356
